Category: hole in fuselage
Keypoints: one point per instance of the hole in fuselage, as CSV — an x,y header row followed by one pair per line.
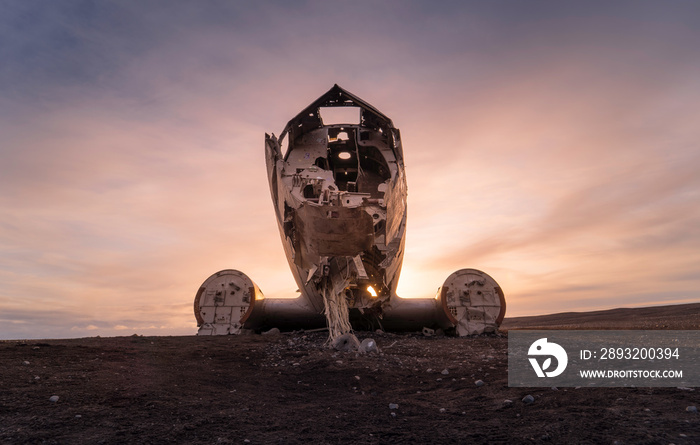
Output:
x,y
309,191
340,115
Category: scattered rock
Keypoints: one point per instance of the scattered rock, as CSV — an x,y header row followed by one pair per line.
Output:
x,y
273,331
346,343
368,345
442,410
682,388
445,372
393,406
428,332
507,402
554,388
528,399
393,414
54,399
692,409
479,383
25,362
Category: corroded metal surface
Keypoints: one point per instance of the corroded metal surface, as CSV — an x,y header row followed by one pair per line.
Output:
x,y
473,302
224,302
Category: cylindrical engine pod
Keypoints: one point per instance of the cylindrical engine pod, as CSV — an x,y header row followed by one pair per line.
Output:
x,y
473,302
224,302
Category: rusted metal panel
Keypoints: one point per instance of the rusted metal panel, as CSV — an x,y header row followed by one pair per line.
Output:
x,y
331,231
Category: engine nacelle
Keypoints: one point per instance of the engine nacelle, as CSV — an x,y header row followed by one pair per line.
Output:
x,y
229,301
472,301
224,302
469,300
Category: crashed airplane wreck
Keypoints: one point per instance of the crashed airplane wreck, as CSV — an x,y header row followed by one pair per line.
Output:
x,y
339,193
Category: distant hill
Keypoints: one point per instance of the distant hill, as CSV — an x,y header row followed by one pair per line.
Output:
x,y
675,317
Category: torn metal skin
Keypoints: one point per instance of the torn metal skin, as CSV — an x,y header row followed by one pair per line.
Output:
x,y
339,193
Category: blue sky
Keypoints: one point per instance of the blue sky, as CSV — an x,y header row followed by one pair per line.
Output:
x,y
553,145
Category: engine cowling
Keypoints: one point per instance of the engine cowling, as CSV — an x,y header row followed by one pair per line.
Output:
x,y
472,301
224,302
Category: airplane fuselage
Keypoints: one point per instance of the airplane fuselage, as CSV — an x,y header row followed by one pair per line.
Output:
x,y
339,193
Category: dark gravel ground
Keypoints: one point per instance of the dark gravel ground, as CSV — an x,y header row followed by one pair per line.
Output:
x,y
291,389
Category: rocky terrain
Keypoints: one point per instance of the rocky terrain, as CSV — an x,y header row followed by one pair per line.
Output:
x,y
291,389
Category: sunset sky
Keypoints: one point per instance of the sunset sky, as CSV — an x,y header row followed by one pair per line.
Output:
x,y
554,145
